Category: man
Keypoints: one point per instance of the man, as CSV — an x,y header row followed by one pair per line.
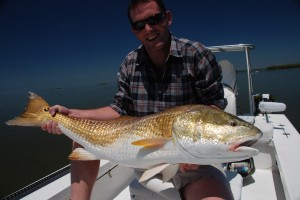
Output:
x,y
164,71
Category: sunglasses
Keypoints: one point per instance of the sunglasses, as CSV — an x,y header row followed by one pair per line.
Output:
x,y
152,20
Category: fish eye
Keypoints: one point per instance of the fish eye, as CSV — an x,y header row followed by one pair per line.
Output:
x,y
46,109
233,123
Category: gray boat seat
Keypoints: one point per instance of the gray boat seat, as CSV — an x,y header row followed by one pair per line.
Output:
x,y
229,85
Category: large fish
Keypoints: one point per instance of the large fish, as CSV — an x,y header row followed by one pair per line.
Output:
x,y
195,134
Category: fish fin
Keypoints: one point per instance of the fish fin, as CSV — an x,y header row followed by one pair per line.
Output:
x,y
81,154
32,115
151,142
149,173
169,172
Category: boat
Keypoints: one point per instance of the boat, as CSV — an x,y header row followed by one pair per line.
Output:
x,y
272,175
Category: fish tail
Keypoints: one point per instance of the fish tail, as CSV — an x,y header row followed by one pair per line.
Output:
x,y
35,114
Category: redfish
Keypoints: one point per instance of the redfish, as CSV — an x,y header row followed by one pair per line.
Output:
x,y
195,134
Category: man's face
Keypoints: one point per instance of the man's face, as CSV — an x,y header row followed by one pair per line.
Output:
x,y
151,26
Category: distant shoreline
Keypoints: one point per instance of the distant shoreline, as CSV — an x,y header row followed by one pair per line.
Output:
x,y
284,66
275,67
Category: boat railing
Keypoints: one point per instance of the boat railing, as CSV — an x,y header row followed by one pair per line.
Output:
x,y
246,48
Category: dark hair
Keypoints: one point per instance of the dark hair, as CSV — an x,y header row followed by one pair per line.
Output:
x,y
135,3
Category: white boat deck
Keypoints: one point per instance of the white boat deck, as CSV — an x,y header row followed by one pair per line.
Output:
x,y
263,189
287,146
276,169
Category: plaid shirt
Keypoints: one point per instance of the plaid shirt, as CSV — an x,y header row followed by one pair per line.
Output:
x,y
192,75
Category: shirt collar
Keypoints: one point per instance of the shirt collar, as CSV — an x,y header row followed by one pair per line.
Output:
x,y
175,51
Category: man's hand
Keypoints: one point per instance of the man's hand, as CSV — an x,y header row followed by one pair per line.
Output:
x,y
50,126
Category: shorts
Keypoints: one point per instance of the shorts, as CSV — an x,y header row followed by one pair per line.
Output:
x,y
203,172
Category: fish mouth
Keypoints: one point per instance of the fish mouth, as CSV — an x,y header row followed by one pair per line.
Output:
x,y
243,143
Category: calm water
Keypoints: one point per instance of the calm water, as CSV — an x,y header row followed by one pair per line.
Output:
x,y
28,154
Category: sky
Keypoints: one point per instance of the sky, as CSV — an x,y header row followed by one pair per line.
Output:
x,y
60,43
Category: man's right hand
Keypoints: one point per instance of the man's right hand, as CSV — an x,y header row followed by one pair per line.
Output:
x,y
50,126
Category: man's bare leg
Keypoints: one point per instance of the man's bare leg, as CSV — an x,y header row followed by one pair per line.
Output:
x,y
207,189
83,177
